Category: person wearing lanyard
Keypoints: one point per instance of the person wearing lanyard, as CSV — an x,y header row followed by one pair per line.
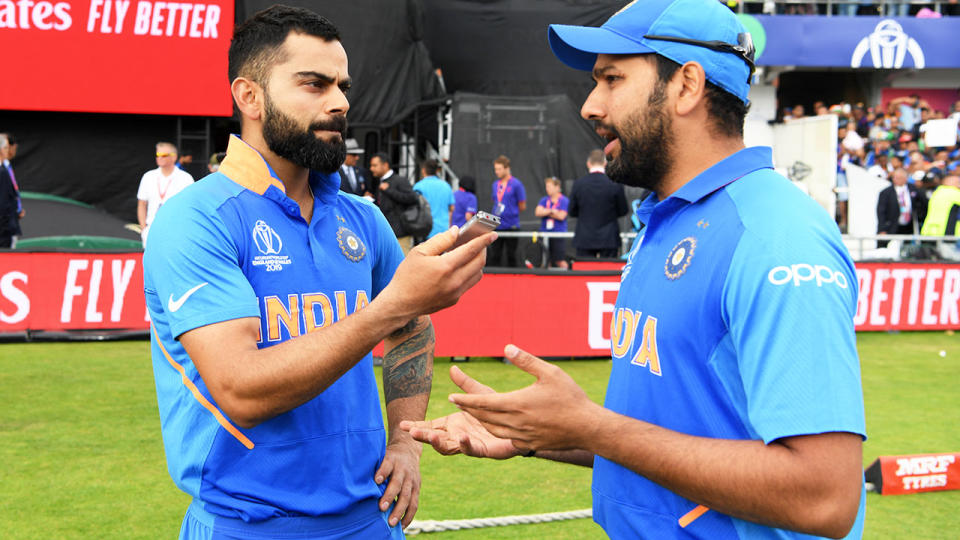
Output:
x,y
509,199
552,210
158,185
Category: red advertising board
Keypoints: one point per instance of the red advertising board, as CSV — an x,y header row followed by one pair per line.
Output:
x,y
900,475
903,296
550,314
116,56
562,314
71,291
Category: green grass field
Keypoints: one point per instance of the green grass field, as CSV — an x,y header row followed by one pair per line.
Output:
x,y
81,454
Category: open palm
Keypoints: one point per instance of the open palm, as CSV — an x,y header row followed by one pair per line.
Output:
x,y
460,433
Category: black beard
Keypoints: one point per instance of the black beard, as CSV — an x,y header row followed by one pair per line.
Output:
x,y
285,139
645,151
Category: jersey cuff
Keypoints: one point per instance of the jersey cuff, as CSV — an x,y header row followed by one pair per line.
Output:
x,y
799,432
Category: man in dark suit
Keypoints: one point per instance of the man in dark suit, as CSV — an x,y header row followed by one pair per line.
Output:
x,y
394,196
10,208
597,202
900,207
354,179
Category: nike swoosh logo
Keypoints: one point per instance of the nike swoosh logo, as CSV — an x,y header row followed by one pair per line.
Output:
x,y
174,305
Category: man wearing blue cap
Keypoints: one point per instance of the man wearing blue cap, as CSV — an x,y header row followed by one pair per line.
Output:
x,y
734,407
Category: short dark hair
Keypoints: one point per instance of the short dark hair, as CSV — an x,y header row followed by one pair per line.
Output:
x,y
726,109
257,44
430,166
468,183
382,156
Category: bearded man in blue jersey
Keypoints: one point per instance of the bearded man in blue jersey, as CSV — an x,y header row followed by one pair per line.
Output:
x,y
267,288
734,407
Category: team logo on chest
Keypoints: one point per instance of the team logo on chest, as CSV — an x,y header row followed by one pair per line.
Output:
x,y
269,244
350,244
679,258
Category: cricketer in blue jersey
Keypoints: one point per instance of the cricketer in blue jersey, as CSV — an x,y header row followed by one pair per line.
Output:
x,y
734,407
267,288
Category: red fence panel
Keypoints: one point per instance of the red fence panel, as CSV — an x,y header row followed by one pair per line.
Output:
x,y
549,314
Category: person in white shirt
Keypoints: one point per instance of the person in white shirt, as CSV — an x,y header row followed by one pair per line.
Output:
x,y
158,185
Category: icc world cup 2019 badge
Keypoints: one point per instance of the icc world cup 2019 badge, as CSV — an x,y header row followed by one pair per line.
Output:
x,y
350,244
679,258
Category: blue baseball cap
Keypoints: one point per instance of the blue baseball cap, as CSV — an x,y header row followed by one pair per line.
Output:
x,y
702,31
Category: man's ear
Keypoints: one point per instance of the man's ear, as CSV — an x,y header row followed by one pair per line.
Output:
x,y
248,96
693,87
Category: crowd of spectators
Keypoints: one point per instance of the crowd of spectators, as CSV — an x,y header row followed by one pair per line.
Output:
x,y
887,139
883,8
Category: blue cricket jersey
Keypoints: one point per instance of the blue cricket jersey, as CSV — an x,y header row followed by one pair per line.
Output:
x,y
235,245
734,320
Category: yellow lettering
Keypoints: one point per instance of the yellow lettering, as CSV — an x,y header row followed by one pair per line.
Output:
x,y
310,303
362,301
624,327
341,305
647,353
278,314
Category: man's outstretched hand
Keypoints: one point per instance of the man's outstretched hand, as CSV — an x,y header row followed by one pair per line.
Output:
x,y
460,433
553,413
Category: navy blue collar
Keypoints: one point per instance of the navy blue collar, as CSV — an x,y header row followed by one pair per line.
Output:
x,y
720,174
725,172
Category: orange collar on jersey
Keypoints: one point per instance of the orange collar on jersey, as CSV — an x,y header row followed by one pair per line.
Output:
x,y
246,166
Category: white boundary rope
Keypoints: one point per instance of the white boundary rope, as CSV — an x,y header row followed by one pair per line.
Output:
x,y
429,525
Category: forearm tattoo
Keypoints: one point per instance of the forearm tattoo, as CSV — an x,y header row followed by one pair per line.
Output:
x,y
408,367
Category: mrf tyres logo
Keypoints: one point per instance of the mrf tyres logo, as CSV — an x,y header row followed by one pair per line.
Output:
x,y
799,274
269,244
888,46
924,471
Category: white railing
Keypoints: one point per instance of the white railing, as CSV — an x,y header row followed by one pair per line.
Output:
x,y
862,248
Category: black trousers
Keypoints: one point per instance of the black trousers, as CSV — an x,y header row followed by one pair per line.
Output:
x,y
503,252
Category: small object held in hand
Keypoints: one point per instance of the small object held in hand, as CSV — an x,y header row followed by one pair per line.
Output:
x,y
480,224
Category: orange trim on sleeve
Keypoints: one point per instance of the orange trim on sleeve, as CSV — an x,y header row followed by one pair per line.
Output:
x,y
692,515
203,400
246,166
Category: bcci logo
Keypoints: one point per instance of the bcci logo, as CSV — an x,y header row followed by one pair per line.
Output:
x,y
888,46
350,244
679,258
267,240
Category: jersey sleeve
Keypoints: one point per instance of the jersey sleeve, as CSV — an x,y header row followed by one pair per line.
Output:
x,y
789,305
191,264
521,192
472,203
389,254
